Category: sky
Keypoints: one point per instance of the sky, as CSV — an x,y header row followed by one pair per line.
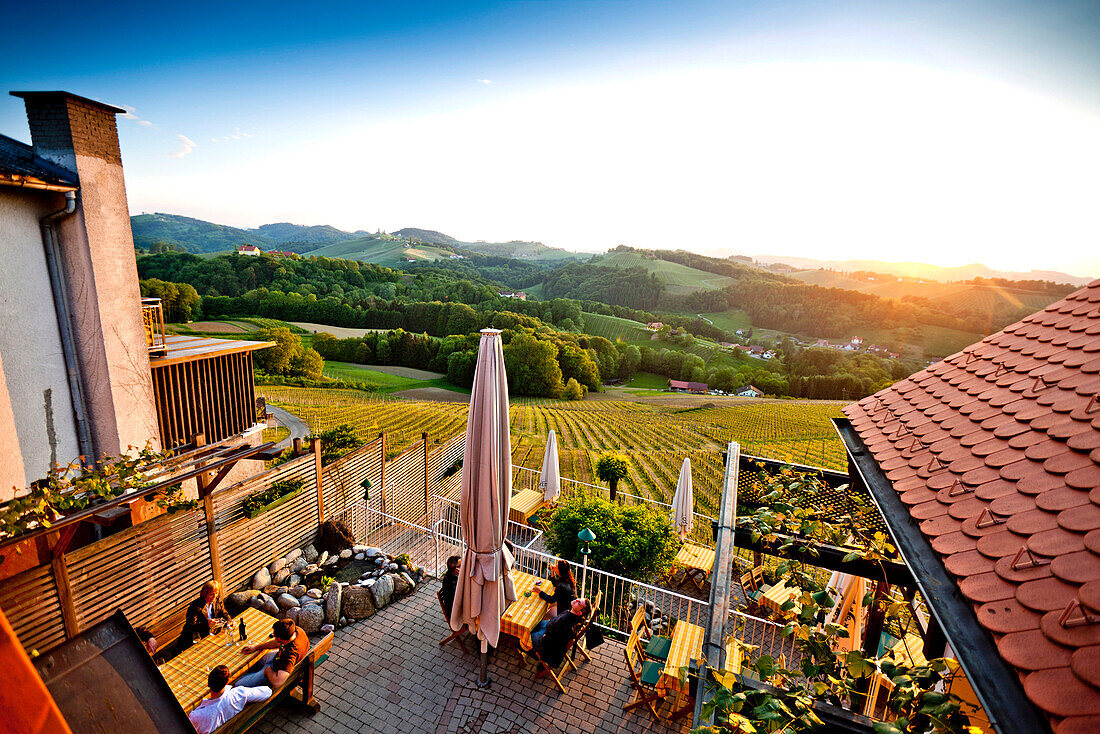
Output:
x,y
939,132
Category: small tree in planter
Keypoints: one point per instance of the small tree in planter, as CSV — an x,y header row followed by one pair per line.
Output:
x,y
611,468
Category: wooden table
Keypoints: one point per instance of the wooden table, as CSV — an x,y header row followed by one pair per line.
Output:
x,y
697,562
186,673
687,645
525,612
524,504
778,595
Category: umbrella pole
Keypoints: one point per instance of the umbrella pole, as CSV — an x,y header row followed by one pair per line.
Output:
x,y
483,678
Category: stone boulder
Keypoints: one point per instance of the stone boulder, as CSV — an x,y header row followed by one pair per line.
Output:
x,y
358,603
321,558
272,589
371,552
281,577
261,579
314,593
241,599
298,564
293,555
297,591
359,556
382,591
265,603
277,566
286,601
294,580
292,614
310,618
333,601
309,553
346,553
401,584
409,579
331,561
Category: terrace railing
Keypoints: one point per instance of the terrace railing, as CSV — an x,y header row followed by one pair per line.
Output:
x,y
152,317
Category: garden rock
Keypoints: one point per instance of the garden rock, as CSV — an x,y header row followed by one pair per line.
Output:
x,y
333,602
359,548
326,628
286,601
272,590
277,566
321,558
346,553
298,564
382,591
281,590
243,598
400,585
294,580
293,555
391,567
314,593
372,552
310,619
281,577
261,579
297,591
343,621
268,605
358,603
309,553
332,560
359,556
292,614
409,580
310,569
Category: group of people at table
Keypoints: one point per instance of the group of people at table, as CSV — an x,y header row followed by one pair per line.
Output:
x,y
206,615
552,636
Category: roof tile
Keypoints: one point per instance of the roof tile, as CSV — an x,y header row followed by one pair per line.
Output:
x,y
1030,650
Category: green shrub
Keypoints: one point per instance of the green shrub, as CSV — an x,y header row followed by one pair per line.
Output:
x,y
256,500
337,441
638,541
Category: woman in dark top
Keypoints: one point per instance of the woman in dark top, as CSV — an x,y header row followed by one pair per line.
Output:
x,y
203,613
565,587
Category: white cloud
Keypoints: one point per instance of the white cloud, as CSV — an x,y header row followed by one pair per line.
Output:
x,y
237,135
485,81
186,146
145,123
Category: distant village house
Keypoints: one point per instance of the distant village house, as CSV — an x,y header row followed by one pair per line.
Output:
x,y
248,250
749,392
699,388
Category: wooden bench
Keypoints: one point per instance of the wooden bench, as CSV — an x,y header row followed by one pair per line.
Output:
x,y
167,630
298,687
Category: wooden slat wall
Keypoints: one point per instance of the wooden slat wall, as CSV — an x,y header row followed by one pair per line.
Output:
x,y
405,484
442,459
29,601
246,544
148,571
215,396
342,480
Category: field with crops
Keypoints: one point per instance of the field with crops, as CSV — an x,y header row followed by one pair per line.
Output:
x,y
656,438
613,328
679,279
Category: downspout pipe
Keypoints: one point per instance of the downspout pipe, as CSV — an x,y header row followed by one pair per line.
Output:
x,y
60,288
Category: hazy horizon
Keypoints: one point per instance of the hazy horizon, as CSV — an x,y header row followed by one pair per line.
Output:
x,y
917,131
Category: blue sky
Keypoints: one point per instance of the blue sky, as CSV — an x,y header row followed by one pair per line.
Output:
x,y
894,131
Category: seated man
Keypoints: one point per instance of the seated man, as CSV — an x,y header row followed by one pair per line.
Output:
x,y
224,701
148,640
450,583
551,639
291,644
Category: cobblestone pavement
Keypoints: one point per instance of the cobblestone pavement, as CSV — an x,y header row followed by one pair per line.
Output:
x,y
388,674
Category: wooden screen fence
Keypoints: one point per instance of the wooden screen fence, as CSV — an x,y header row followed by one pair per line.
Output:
x,y
153,569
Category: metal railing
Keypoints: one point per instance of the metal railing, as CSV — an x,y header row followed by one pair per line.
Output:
x,y
152,317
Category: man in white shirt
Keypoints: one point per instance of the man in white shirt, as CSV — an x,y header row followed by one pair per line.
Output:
x,y
224,701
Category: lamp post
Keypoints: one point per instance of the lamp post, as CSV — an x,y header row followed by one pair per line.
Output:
x,y
585,536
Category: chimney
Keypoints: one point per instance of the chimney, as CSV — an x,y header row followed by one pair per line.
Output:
x,y
97,255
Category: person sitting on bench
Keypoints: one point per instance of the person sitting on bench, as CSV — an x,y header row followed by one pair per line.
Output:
x,y
450,583
551,639
204,614
565,587
290,645
224,701
148,640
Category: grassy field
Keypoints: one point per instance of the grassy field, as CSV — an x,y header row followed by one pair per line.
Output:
x,y
380,381
383,251
656,438
680,278
648,381
731,320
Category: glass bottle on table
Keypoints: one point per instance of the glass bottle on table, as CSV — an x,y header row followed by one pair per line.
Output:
x,y
228,634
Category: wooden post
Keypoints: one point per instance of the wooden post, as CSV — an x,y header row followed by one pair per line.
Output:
x,y
64,589
315,446
297,447
427,499
382,478
207,497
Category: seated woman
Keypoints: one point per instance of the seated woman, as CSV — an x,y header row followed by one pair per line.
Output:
x,y
204,614
551,638
565,587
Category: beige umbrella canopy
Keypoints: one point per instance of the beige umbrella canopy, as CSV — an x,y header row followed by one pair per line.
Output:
x,y
550,478
485,587
683,502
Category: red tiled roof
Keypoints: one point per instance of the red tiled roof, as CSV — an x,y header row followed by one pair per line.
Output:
x,y
996,452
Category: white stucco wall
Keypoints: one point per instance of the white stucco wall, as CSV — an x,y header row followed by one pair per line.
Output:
x,y
30,342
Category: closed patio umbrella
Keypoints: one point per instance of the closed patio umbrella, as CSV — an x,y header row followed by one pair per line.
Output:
x,y
683,503
848,590
550,478
485,587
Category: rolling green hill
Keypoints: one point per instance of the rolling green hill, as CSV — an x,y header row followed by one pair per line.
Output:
x,y
614,328
382,250
680,279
